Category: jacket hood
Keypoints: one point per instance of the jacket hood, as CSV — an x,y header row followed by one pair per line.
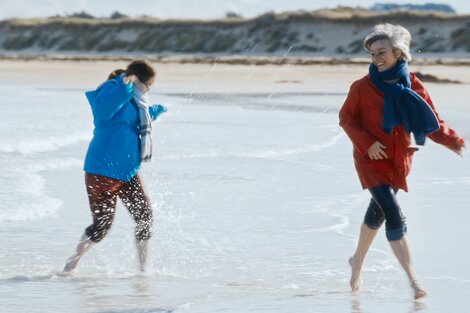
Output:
x,y
91,95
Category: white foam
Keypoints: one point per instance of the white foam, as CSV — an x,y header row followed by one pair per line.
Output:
x,y
23,197
43,144
53,164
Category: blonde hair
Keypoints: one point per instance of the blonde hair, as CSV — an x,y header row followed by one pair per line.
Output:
x,y
399,37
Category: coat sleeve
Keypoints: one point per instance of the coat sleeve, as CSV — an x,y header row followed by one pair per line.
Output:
x,y
445,135
156,110
110,97
350,120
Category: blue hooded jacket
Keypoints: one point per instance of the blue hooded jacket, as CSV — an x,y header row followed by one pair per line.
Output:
x,y
114,150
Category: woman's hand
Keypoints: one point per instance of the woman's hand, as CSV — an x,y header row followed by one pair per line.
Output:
x,y
376,151
129,79
460,147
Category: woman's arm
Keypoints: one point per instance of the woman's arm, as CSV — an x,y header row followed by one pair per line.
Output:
x,y
111,96
350,121
445,135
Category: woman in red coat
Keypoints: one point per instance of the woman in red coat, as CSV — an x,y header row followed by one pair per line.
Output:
x,y
380,112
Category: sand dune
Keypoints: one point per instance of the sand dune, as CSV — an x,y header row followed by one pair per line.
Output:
x,y
338,32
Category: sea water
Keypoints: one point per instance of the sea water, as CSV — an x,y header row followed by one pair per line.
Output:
x,y
257,209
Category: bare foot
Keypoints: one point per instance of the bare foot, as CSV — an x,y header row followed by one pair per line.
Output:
x,y
355,281
63,273
418,290
83,246
70,265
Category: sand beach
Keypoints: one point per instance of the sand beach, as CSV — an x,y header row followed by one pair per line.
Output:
x,y
257,203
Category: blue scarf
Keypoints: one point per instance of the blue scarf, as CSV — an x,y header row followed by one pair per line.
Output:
x,y
402,105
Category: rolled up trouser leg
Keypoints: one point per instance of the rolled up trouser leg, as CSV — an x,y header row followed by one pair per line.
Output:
x,y
385,197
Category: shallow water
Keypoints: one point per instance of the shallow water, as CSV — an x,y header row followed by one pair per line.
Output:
x,y
257,209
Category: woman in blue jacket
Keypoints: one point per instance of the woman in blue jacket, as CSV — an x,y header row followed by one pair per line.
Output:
x,y
121,141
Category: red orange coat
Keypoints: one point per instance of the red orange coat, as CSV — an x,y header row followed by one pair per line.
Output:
x,y
361,119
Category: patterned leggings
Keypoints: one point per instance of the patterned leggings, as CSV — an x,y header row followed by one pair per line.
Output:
x,y
102,194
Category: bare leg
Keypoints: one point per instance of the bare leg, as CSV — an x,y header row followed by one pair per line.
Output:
x,y
83,246
402,252
142,252
366,237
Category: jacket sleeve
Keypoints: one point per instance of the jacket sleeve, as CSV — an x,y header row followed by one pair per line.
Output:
x,y
110,97
350,121
156,110
445,135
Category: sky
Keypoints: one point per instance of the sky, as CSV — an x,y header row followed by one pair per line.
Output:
x,y
197,9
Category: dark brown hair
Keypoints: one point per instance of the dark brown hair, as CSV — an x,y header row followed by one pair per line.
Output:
x,y
116,73
142,69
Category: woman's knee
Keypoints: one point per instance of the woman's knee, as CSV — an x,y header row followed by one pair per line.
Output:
x,y
143,230
395,225
141,211
96,233
102,223
374,219
373,224
374,216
